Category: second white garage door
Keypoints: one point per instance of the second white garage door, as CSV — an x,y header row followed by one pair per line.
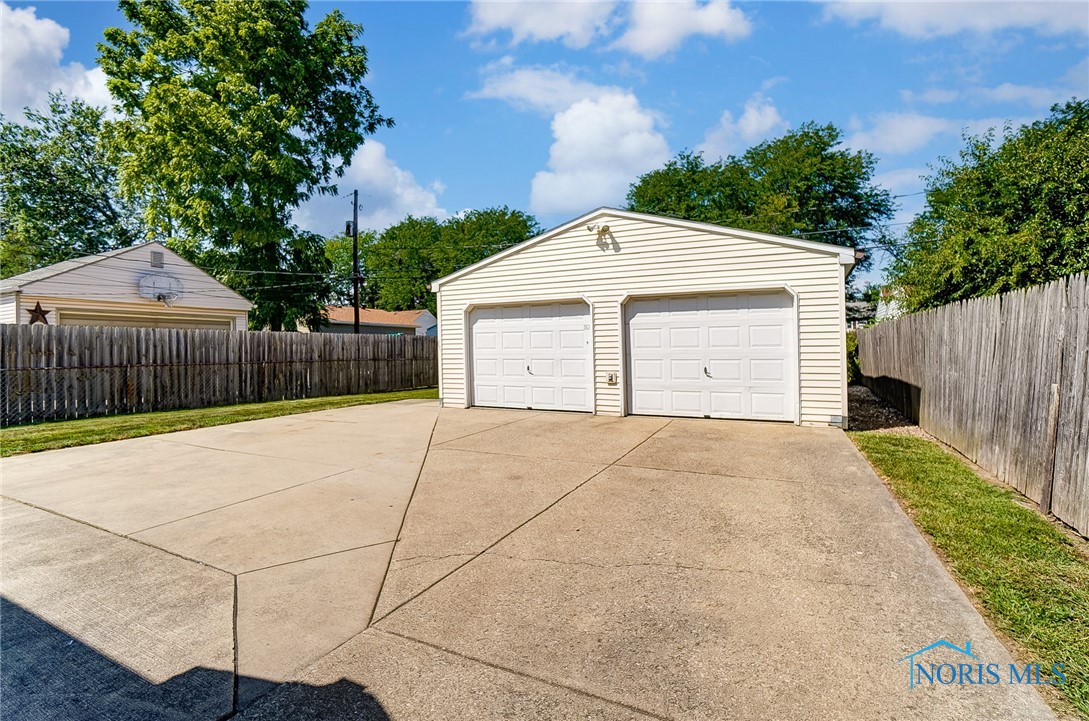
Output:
x,y
718,356
532,356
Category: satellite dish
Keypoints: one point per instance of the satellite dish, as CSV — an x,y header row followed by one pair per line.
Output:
x,y
161,287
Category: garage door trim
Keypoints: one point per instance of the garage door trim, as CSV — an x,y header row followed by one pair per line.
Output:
x,y
626,381
467,342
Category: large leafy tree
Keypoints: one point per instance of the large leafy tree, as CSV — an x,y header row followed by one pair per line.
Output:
x,y
1013,211
403,261
804,184
237,111
58,189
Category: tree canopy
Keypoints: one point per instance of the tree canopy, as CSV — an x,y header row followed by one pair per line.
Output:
x,y
234,113
802,184
405,258
1013,211
58,190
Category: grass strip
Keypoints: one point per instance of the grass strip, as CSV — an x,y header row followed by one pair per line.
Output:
x,y
15,440
1030,578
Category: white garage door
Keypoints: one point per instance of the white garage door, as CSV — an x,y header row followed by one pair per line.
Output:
x,y
532,356
724,356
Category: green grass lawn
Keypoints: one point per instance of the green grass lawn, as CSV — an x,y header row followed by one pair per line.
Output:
x,y
82,432
1031,579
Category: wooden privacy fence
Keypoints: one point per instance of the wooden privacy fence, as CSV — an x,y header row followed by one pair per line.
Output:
x,y
1004,380
60,372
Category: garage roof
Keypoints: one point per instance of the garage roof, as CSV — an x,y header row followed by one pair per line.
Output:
x,y
846,255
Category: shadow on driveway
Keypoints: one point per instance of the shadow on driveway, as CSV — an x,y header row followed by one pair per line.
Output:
x,y
47,674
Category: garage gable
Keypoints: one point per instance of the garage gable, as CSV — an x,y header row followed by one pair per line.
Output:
x,y
846,256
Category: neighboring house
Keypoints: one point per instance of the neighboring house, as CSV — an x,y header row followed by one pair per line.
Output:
x,y
888,305
622,313
383,322
146,286
859,314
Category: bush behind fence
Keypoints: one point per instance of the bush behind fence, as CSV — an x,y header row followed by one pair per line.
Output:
x,y
62,372
1004,380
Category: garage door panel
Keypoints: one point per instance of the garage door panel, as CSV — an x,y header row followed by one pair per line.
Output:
x,y
572,339
727,403
532,356
541,339
768,405
767,370
727,370
686,402
682,370
513,340
744,341
766,336
574,368
684,338
721,336
646,338
648,369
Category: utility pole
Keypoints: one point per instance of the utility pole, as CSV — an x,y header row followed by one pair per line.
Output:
x,y
355,259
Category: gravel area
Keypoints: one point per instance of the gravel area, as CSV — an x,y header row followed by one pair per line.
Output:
x,y
870,413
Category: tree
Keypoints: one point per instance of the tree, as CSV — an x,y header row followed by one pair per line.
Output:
x,y
1013,212
58,189
802,184
472,236
236,112
398,266
401,264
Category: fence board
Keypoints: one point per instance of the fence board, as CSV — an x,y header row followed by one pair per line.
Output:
x,y
979,375
64,372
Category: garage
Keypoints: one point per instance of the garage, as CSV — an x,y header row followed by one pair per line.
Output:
x,y
136,320
712,356
532,356
620,313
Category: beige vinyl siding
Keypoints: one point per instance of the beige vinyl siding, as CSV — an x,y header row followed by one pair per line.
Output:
x,y
116,279
78,311
655,258
9,308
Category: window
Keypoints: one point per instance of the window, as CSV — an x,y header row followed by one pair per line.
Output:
x,y
156,259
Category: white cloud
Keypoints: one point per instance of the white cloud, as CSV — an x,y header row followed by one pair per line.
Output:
x,y
387,194
935,19
1073,83
897,133
545,90
759,120
601,146
31,67
931,96
657,27
575,23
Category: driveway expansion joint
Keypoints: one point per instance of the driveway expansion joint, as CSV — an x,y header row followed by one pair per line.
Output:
x,y
506,535
115,534
506,669
476,433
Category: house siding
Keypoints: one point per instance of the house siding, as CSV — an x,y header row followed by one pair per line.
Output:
x,y
9,308
647,258
111,286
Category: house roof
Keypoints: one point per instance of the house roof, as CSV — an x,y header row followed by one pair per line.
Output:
x,y
846,255
16,282
374,316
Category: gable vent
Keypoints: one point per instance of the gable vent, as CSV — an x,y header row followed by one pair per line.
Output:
x,y
156,259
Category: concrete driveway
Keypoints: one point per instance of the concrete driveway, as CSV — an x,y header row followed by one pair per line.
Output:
x,y
549,566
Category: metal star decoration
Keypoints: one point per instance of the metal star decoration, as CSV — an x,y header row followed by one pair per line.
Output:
x,y
38,315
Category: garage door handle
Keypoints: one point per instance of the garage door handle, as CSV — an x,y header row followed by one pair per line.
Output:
x,y
706,373
528,370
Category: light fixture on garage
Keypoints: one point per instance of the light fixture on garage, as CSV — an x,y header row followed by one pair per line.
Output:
x,y
602,232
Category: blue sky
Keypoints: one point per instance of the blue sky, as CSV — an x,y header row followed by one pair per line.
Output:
x,y
555,108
